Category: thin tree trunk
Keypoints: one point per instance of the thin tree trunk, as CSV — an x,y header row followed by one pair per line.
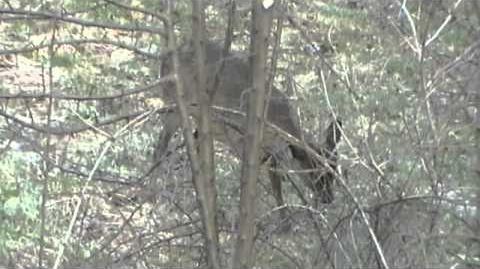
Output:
x,y
262,16
476,121
199,178
476,161
477,166
205,185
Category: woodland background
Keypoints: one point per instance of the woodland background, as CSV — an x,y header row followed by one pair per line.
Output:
x,y
80,116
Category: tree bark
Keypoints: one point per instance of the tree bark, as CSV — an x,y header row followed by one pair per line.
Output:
x,y
205,184
477,164
201,182
262,17
475,88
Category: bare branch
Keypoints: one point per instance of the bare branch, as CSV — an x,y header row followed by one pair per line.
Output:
x,y
159,16
59,16
152,86
65,130
74,42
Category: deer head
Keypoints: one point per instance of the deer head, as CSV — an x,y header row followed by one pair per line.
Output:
x,y
321,178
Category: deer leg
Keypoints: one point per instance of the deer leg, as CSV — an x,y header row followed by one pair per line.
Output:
x,y
328,190
323,188
171,125
276,181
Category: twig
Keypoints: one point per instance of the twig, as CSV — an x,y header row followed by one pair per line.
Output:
x,y
79,199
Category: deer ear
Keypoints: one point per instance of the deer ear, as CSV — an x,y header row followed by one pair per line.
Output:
x,y
298,152
333,135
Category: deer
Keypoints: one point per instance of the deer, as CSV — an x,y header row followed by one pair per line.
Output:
x,y
228,85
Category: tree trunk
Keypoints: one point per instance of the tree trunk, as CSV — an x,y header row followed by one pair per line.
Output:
x,y
477,165
205,193
205,184
262,16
